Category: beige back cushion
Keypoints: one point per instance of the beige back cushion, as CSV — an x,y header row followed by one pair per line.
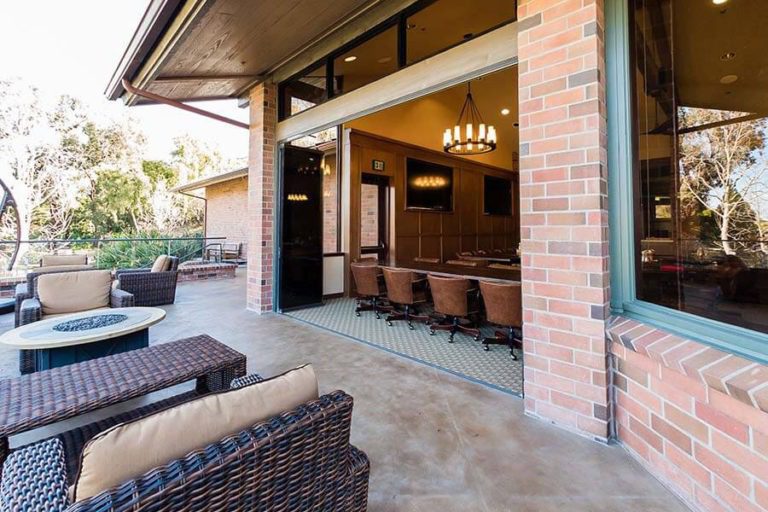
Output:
x,y
129,450
59,268
70,292
161,264
50,260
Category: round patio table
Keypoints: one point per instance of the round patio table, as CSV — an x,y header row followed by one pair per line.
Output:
x,y
78,337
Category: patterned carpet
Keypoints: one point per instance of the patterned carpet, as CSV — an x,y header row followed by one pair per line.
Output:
x,y
465,357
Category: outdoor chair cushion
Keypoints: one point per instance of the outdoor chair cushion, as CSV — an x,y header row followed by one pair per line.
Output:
x,y
128,450
71,292
161,264
50,260
59,268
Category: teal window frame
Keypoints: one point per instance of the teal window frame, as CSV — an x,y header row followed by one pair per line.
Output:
x,y
729,338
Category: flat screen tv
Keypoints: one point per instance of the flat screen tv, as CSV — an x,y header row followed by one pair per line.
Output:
x,y
497,196
428,186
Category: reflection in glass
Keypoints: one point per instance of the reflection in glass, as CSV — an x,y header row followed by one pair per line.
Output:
x,y
446,23
366,63
702,159
304,92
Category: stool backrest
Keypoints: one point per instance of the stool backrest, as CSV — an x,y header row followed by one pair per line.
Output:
x,y
399,285
366,279
449,295
503,303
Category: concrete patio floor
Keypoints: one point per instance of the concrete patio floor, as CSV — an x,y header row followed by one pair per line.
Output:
x,y
436,441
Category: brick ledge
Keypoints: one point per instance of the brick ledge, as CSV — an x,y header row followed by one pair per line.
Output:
x,y
740,378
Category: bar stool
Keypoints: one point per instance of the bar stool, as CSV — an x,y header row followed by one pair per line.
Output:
x,y
368,288
451,297
503,307
404,289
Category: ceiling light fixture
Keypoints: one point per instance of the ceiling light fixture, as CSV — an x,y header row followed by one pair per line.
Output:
x,y
728,79
351,58
728,56
474,143
505,111
384,60
719,2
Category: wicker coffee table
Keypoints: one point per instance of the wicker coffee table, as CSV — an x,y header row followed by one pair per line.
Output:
x,y
42,398
78,337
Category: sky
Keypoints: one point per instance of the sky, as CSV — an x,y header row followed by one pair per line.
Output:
x,y
73,46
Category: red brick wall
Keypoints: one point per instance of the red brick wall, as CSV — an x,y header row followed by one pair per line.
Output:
x,y
330,205
694,416
261,177
369,216
227,206
564,224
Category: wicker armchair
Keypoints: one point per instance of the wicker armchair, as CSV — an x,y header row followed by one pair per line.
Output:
x,y
31,310
28,289
298,460
150,288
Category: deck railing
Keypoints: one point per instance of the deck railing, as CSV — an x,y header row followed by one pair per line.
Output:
x,y
106,252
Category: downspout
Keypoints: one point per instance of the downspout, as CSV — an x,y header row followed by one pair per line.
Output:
x,y
183,106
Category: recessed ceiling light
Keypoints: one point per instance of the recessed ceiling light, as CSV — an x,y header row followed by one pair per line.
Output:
x,y
728,56
505,111
728,79
384,60
719,2
351,58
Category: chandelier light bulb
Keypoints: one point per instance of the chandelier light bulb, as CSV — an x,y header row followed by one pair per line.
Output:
x,y
474,143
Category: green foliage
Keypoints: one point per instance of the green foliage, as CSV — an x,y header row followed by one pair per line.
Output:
x,y
116,203
158,171
126,254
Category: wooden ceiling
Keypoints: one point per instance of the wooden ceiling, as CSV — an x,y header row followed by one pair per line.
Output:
x,y
230,43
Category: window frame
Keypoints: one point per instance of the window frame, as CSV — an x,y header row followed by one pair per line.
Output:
x,y
399,20
621,195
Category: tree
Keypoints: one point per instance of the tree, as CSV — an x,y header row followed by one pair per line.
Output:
x,y
721,172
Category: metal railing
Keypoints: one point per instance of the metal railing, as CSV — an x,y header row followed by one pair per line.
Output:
x,y
105,252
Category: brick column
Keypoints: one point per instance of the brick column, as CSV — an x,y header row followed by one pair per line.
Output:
x,y
261,186
564,221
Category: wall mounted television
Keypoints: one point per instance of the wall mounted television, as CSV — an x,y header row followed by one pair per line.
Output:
x,y
497,195
428,186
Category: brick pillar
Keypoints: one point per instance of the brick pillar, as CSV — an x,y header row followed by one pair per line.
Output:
x,y
261,186
564,218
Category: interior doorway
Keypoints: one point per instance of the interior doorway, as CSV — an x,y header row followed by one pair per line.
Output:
x,y
374,217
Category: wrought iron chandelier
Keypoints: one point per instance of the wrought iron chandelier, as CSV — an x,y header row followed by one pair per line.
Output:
x,y
478,138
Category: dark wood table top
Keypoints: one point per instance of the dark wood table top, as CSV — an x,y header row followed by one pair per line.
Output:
x,y
475,273
45,397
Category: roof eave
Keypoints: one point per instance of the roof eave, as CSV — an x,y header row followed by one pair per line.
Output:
x,y
153,24
213,180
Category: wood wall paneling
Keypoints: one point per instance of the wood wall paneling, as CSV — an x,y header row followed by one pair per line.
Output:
x,y
432,234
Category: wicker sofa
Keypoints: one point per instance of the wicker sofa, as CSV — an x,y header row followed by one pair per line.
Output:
x,y
300,460
31,309
151,287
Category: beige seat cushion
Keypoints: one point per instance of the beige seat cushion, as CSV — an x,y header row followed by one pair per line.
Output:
x,y
161,264
129,450
50,260
70,292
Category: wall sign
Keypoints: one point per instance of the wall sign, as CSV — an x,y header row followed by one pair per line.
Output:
x,y
378,165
